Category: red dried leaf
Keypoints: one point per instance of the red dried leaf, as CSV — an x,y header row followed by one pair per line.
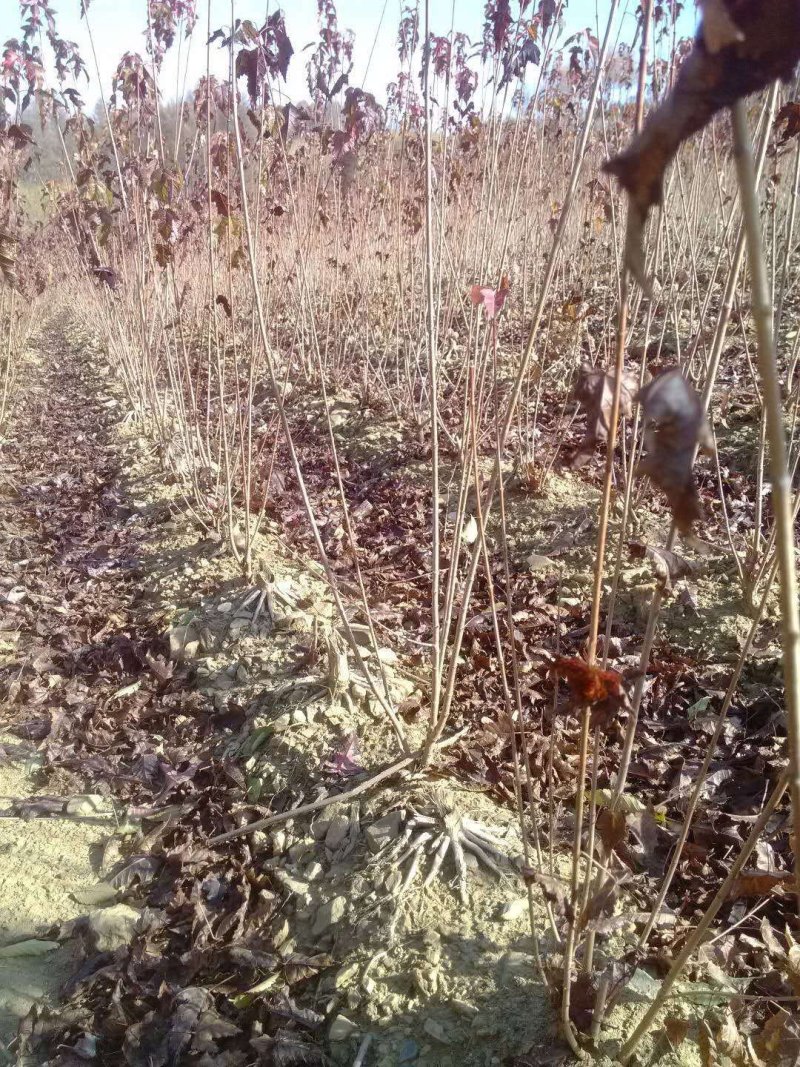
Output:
x,y
589,684
601,690
269,58
498,23
789,118
492,299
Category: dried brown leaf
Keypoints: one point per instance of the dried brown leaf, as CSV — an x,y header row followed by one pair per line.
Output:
x,y
755,883
778,1044
742,46
793,967
298,967
594,391
599,910
770,939
669,566
675,425
729,1041
676,1029
554,889
612,829
8,257
583,995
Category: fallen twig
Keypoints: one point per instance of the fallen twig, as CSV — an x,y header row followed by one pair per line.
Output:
x,y
324,802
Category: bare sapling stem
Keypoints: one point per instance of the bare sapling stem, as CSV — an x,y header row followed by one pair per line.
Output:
x,y
597,596
433,386
521,375
384,700
778,457
712,368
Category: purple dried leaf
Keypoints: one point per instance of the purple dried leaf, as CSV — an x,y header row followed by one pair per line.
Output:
x,y
343,761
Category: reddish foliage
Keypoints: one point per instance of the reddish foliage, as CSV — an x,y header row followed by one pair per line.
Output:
x,y
589,684
496,27
492,299
601,690
268,59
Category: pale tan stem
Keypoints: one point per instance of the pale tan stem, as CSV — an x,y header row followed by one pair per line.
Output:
x,y
699,932
778,458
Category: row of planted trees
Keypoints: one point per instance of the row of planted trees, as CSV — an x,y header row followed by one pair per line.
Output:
x,y
447,262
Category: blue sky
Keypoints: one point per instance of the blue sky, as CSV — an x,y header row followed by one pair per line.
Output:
x,y
118,26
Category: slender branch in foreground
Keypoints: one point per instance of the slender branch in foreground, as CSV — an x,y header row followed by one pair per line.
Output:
x,y
778,459
712,368
699,932
433,385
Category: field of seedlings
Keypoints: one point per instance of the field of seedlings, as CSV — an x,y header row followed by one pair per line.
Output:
x,y
399,637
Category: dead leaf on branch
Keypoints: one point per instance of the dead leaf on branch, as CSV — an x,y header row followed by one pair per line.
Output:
x,y
612,830
594,392
601,904
741,47
675,426
555,890
492,299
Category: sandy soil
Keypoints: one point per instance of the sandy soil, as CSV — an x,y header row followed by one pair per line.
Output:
x,y
45,862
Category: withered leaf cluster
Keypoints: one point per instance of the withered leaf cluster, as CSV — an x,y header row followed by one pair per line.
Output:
x,y
675,426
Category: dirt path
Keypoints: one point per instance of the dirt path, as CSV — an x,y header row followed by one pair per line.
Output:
x,y
67,580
